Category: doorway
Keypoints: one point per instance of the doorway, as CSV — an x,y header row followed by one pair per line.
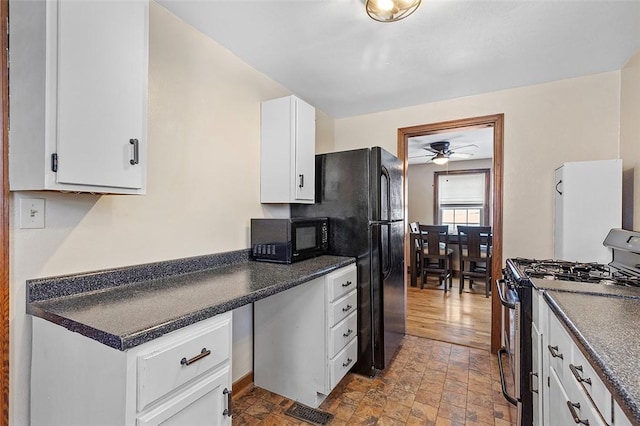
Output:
x,y
496,123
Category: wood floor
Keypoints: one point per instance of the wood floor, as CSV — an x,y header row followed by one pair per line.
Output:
x,y
463,319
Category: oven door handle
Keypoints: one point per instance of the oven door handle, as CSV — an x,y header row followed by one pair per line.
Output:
x,y
505,302
511,399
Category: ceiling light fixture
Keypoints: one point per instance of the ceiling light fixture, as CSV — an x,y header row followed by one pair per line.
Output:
x,y
440,159
390,10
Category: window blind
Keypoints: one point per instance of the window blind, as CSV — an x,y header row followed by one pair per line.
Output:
x,y
461,189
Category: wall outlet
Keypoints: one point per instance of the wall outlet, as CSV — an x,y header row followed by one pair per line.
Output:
x,y
31,213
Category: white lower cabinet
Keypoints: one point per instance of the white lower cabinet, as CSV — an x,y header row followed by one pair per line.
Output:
x,y
559,414
305,338
181,378
576,395
199,405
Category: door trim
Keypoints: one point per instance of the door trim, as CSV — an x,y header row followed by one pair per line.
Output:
x,y
497,122
4,218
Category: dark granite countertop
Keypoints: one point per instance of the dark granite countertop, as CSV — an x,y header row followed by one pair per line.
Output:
x,y
126,307
586,288
605,327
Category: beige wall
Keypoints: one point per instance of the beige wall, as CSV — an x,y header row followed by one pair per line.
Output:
x,y
420,186
544,126
630,141
203,186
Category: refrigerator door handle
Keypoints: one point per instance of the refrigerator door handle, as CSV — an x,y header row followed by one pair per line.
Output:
x,y
387,180
385,222
387,272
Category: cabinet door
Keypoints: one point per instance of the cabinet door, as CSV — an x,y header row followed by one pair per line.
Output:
x,y
203,403
536,374
305,123
102,86
559,414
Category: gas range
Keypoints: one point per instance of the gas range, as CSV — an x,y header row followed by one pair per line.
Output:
x,y
623,270
594,273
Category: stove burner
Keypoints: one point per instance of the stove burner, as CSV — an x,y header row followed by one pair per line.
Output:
x,y
595,273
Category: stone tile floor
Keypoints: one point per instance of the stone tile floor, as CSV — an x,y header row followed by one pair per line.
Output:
x,y
427,383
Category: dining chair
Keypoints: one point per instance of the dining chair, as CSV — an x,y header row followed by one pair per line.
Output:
x,y
435,255
416,263
475,247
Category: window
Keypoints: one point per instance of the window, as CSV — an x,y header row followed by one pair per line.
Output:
x,y
461,197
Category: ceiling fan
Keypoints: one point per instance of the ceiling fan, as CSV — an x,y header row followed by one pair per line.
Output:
x,y
442,151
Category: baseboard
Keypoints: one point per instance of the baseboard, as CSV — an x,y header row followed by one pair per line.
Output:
x,y
242,385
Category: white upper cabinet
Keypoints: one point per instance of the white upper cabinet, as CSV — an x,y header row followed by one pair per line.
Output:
x,y
288,132
78,87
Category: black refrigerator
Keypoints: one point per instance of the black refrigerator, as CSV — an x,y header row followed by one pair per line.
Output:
x,y
360,191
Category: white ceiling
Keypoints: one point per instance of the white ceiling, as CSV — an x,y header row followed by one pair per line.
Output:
x,y
330,53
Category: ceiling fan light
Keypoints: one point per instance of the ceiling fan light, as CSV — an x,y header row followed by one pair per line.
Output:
x,y
440,159
390,10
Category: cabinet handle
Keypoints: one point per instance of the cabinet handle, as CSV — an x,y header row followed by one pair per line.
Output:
x,y
576,370
348,333
136,153
229,410
558,184
346,308
554,352
301,181
572,407
531,376
203,353
349,361
347,284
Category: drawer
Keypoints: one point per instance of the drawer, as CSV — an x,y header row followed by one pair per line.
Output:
x,y
342,333
341,282
585,377
583,408
342,363
559,347
339,309
164,367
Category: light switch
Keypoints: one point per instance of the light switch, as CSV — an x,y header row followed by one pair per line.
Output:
x,y
31,213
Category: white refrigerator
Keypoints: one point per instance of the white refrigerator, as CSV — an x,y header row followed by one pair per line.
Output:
x,y
588,203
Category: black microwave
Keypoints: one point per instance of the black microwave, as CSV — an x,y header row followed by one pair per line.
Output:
x,y
289,240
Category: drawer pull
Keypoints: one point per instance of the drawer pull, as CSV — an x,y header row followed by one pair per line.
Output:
x,y
347,284
576,370
349,361
572,407
136,149
205,352
229,410
554,352
348,333
347,308
531,376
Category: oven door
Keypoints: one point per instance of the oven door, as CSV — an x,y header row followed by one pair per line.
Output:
x,y
511,312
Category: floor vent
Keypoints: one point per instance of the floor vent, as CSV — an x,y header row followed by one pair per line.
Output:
x,y
308,414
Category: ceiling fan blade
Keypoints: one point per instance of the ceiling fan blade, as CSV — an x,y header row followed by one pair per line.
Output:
x,y
470,145
461,155
421,156
428,148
